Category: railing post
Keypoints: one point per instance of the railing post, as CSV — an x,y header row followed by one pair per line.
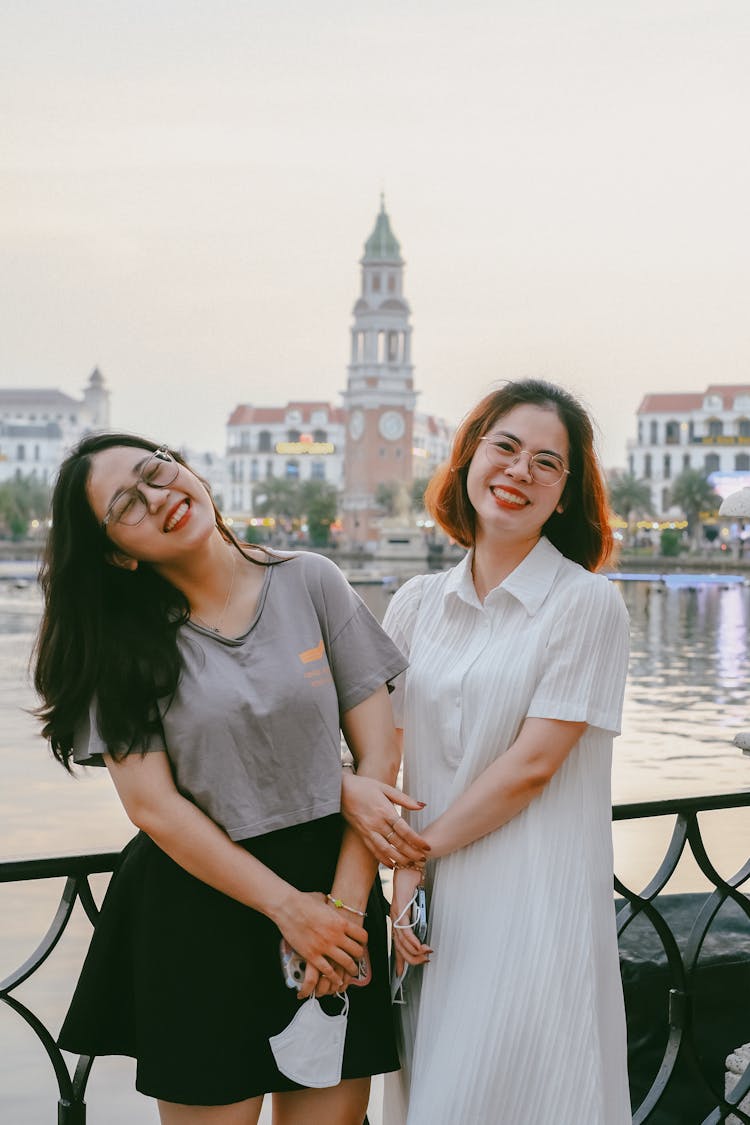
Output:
x,y
71,1113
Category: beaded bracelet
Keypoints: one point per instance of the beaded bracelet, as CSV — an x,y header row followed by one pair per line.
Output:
x,y
342,906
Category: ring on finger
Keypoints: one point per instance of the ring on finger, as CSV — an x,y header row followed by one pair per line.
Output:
x,y
388,837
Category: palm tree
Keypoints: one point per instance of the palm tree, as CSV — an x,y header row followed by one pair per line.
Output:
x,y
693,492
628,496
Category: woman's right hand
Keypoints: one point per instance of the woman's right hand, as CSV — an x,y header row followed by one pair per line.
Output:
x,y
330,941
369,806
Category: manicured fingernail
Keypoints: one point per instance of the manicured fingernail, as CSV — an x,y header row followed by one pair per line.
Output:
x,y
422,804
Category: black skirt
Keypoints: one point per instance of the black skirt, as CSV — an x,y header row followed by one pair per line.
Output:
x,y
189,983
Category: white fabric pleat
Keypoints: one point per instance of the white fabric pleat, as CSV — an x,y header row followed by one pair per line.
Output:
x,y
519,1017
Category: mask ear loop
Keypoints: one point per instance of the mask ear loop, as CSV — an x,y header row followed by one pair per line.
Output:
x,y
397,985
397,923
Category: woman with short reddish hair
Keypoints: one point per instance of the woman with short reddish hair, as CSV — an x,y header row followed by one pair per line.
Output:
x,y
512,697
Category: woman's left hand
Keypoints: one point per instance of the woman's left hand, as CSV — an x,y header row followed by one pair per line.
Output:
x,y
369,806
407,945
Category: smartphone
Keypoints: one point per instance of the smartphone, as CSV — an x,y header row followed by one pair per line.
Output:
x,y
419,914
293,967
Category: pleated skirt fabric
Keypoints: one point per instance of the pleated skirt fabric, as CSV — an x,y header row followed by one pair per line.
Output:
x,y
188,981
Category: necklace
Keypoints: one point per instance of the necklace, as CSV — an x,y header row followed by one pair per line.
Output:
x,y
216,628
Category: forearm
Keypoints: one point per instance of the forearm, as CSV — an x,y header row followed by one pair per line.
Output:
x,y
376,750
506,787
202,848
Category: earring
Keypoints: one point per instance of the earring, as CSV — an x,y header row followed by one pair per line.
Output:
x,y
559,509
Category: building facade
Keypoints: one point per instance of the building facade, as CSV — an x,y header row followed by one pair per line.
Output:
x,y
708,431
379,399
38,426
299,441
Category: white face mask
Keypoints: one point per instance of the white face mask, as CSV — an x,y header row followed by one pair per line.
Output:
x,y
310,1049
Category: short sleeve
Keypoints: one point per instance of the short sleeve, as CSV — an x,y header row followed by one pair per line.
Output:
x,y
399,621
361,655
585,663
88,744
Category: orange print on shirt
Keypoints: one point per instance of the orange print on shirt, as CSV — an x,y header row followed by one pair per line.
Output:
x,y
312,654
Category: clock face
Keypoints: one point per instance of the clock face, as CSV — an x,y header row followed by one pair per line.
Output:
x,y
391,425
356,424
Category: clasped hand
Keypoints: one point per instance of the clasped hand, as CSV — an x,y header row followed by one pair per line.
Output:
x,y
370,807
330,941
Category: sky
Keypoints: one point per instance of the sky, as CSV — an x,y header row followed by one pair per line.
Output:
x,y
186,188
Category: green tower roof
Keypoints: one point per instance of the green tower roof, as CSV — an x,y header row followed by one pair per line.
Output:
x,y
382,246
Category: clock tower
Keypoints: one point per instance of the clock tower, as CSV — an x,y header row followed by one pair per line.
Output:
x,y
379,398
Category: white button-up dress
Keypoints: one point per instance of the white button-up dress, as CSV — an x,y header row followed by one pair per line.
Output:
x,y
519,1017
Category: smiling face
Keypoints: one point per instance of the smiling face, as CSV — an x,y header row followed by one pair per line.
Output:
x,y
509,504
180,516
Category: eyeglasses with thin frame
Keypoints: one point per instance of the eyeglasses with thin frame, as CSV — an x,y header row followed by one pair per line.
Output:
x,y
130,506
544,468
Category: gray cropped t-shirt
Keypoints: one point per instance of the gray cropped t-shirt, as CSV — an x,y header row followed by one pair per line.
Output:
x,y
253,730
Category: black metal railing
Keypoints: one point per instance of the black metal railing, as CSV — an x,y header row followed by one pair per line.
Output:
x,y
683,1060
682,1053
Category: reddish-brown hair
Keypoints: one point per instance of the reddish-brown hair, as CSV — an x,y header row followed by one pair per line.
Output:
x,y
581,531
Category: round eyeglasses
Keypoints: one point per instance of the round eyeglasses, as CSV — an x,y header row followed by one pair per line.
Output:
x,y
129,507
544,468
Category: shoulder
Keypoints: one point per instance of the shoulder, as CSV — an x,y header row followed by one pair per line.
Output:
x,y
592,593
311,569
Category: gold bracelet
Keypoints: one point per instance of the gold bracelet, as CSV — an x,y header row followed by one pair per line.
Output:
x,y
342,906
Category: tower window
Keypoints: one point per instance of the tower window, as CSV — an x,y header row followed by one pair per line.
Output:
x,y
391,283
375,283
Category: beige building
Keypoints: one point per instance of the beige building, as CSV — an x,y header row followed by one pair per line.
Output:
x,y
39,425
709,431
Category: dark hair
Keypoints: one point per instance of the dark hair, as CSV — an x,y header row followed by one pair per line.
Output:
x,y
581,531
106,632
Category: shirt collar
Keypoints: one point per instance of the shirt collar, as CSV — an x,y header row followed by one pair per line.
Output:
x,y
529,583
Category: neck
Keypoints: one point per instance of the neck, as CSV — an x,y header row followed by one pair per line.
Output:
x,y
204,576
494,560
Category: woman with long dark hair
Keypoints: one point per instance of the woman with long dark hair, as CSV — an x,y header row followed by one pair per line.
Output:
x,y
213,680
517,664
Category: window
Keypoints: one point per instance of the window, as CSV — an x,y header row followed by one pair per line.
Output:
x,y
320,435
743,427
269,469
375,283
293,435
21,453
711,462
672,433
391,283
292,470
715,427
665,499
254,469
318,470
667,466
37,453
742,463
264,442
686,460
631,464
393,348
647,466
654,433
640,432
691,430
